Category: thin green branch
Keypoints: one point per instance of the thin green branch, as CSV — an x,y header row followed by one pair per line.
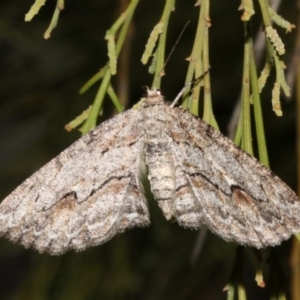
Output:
x,y
264,7
195,65
259,277
280,76
229,288
124,29
247,6
78,120
280,21
270,31
92,118
246,120
114,98
34,9
152,40
59,7
238,132
241,292
160,51
259,125
111,46
275,39
208,114
265,73
93,80
276,105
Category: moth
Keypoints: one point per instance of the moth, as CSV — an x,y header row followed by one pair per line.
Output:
x,y
93,189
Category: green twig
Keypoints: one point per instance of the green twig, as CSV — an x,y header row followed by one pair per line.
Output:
x,y
208,114
160,51
264,7
195,65
59,7
280,21
78,120
34,9
114,98
259,278
247,6
265,73
275,39
238,133
93,80
280,77
276,105
92,118
111,46
246,120
152,40
259,126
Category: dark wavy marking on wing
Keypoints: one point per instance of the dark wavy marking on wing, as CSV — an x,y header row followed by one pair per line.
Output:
x,y
84,196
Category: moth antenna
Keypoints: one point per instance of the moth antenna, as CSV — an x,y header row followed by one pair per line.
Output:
x,y
171,52
186,86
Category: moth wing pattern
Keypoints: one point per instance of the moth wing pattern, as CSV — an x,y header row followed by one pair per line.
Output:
x,y
94,189
84,196
226,189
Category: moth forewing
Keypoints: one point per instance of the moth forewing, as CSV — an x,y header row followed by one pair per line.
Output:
x,y
93,189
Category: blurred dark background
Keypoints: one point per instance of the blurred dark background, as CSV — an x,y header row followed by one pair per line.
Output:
x,y
39,83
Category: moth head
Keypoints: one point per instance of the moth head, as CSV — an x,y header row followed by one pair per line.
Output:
x,y
152,92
